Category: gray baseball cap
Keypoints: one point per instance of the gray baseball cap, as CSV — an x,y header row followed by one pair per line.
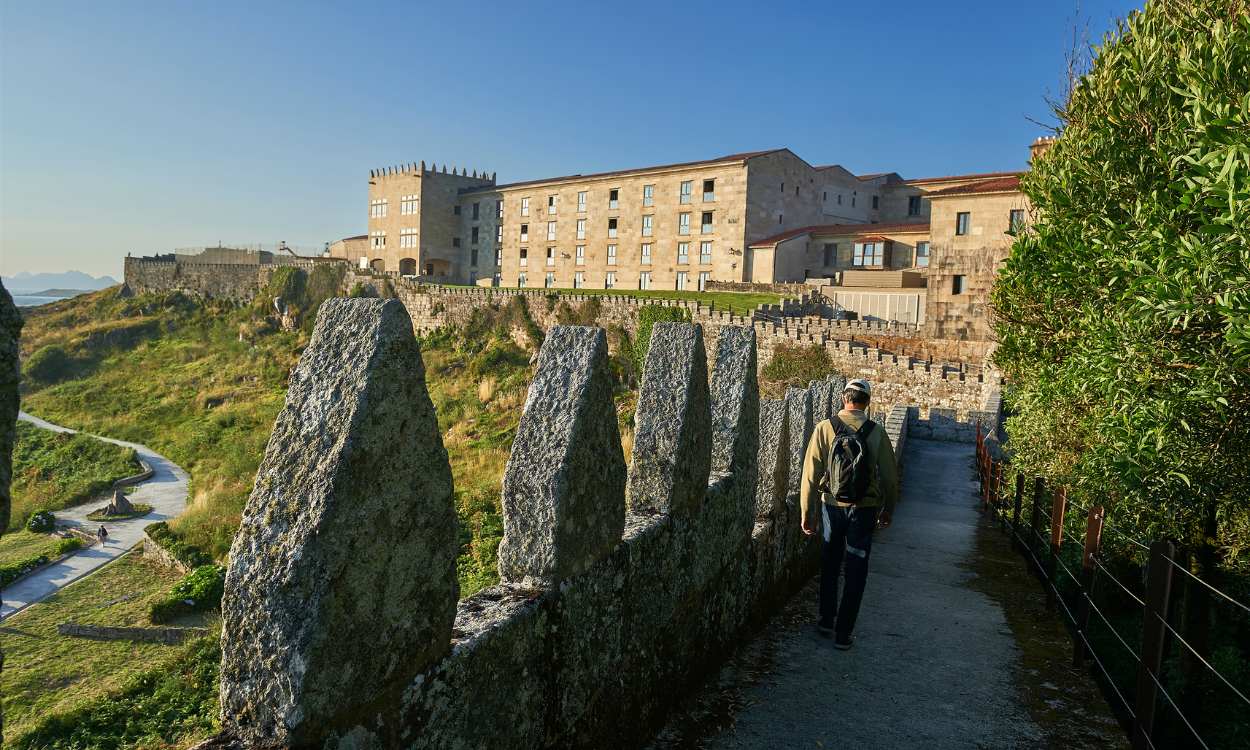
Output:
x,y
859,384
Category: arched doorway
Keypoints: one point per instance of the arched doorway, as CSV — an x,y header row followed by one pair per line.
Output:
x,y
408,267
377,264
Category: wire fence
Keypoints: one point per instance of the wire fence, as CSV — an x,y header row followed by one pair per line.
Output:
x,y
1170,689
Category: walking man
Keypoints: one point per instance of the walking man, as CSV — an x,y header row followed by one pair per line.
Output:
x,y
849,471
103,535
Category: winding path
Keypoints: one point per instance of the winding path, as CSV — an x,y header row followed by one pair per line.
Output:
x,y
166,492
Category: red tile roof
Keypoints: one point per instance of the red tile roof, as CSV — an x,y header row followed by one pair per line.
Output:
x,y
848,229
955,177
998,185
723,159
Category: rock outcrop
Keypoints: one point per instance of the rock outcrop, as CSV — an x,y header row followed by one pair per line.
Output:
x,y
10,374
342,583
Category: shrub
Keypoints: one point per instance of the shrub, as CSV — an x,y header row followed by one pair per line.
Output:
x,y
198,591
68,545
648,316
10,572
187,554
41,522
797,364
50,364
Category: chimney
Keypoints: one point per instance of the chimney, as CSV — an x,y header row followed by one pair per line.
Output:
x,y
1040,146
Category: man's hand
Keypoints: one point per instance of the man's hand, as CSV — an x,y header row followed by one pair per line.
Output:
x,y
885,519
807,525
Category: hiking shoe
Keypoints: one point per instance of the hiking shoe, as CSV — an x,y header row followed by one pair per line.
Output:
x,y
824,630
843,641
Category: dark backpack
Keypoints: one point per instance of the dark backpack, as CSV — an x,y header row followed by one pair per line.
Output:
x,y
850,466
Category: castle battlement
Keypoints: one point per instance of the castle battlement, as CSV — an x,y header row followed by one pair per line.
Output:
x,y
418,169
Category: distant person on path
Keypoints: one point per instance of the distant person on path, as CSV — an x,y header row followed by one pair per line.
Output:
x,y
849,467
103,534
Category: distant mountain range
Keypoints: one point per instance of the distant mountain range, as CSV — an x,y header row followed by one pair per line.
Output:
x,y
32,283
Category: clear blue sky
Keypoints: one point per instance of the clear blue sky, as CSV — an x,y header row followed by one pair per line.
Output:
x,y
143,126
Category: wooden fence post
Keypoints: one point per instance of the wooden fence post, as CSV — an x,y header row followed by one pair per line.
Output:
x,y
1059,502
1093,543
1015,518
1154,622
1039,487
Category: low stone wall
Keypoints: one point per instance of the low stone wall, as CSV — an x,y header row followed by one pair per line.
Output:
x,y
621,585
947,426
142,476
172,636
755,288
153,551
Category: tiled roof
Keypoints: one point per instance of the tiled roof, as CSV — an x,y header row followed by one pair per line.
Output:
x,y
955,177
850,229
997,185
723,159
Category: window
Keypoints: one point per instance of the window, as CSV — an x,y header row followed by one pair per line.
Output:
x,y
957,284
646,253
796,189
709,190
579,280
477,205
1015,221
646,225
525,254
456,209
473,257
551,230
875,203
783,187
687,188
705,253
551,256
922,254
581,229
549,280
377,239
407,205
681,281
648,195
498,257
839,199
520,279
913,205
780,218
683,223
525,232
644,280
473,234
867,253
824,197
496,279
551,204
407,238
703,279
611,228
614,196
611,255
852,201
499,234
377,208
525,206
961,222
580,252
609,281
705,225
498,210
455,242
831,254
683,252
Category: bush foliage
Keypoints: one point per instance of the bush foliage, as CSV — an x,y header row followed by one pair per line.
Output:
x,y
187,554
199,591
41,522
1123,313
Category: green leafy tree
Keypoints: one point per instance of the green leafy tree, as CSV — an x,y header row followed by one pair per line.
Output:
x,y
1123,313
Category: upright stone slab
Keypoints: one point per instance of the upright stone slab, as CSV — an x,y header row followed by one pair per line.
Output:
x,y
564,486
10,374
801,426
735,405
774,460
342,580
672,435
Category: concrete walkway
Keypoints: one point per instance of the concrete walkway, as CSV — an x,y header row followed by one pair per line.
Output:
x,y
935,662
166,492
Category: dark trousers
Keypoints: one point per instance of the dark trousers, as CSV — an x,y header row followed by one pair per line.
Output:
x,y
847,536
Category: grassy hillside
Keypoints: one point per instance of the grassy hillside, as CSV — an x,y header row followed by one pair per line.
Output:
x,y
54,470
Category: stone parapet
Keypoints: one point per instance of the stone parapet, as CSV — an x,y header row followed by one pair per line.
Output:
x,y
171,636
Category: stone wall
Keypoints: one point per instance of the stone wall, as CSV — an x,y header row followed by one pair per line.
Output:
x,y
170,636
153,551
621,585
237,282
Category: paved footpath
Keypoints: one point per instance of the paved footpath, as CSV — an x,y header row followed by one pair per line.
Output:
x,y
166,492
935,662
